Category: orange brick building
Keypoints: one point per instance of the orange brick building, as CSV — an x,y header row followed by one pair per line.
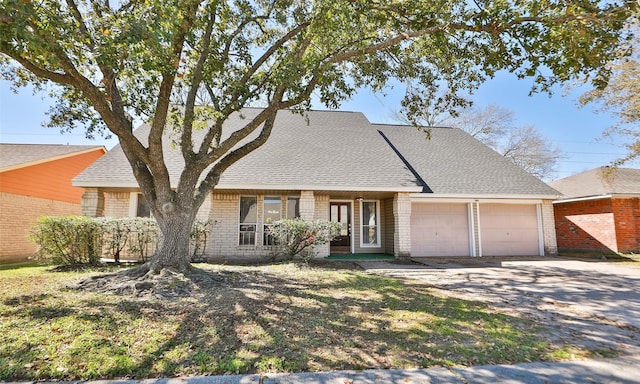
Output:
x,y
599,211
35,180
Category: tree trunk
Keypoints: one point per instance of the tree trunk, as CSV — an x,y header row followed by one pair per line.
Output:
x,y
173,247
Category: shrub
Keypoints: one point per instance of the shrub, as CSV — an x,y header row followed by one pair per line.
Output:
x,y
70,240
143,237
74,240
299,237
199,236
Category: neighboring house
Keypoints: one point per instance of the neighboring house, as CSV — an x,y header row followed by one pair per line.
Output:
x,y
599,211
394,191
35,180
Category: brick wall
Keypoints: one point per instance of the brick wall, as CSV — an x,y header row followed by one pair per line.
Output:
x,y
626,213
388,221
18,214
322,213
116,204
585,226
548,228
402,225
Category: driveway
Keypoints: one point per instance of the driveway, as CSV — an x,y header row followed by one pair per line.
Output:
x,y
590,304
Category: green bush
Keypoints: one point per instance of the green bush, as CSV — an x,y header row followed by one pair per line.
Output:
x,y
299,237
70,240
74,240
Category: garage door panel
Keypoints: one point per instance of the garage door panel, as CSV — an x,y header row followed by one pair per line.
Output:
x,y
509,230
439,229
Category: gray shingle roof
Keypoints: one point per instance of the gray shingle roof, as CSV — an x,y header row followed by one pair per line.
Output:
x,y
452,162
329,150
14,156
599,181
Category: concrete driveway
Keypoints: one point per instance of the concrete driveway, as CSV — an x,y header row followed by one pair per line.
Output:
x,y
590,304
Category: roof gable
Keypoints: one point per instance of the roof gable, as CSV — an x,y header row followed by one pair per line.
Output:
x,y
600,181
14,156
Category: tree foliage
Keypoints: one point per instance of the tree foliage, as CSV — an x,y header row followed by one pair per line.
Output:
x,y
525,146
621,96
185,65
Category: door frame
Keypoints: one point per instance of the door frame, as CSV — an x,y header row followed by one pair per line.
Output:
x,y
351,221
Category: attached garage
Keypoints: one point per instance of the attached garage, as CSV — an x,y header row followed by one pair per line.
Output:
x,y
440,229
509,230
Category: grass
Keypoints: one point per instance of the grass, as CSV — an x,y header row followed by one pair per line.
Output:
x,y
278,318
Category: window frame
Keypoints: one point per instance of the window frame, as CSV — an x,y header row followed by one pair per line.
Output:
x,y
377,226
267,239
286,213
134,200
240,236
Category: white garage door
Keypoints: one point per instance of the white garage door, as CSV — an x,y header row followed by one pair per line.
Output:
x,y
509,230
439,229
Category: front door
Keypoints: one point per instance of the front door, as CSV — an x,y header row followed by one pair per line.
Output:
x,y
341,213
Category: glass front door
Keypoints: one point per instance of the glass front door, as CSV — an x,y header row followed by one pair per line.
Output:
x,y
341,213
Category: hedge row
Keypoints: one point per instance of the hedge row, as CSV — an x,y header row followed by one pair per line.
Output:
x,y
74,240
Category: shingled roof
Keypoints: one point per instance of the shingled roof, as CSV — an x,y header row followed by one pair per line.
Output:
x,y
14,156
452,162
343,151
599,181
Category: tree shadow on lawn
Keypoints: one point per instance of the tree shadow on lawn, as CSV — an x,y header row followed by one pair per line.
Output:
x,y
291,319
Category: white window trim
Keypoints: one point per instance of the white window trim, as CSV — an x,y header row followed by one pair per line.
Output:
x,y
264,215
255,234
378,226
133,204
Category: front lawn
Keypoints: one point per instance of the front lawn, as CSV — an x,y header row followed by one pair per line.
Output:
x,y
279,318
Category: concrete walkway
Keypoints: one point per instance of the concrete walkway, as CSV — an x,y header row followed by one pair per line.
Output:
x,y
624,370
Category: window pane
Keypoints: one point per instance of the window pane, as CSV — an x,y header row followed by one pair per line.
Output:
x,y
369,223
142,209
271,213
248,219
272,207
293,207
248,210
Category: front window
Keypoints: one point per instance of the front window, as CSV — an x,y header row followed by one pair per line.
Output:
x,y
142,208
272,208
248,220
370,229
293,207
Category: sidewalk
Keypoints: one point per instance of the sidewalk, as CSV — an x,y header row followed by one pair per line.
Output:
x,y
622,370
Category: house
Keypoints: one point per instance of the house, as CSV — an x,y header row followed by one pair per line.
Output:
x,y
35,180
394,191
599,211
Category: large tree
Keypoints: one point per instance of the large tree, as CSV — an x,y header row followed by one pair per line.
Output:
x,y
621,97
189,64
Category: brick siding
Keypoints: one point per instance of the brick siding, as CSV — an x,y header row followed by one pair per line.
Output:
x,y
626,213
18,214
603,225
548,229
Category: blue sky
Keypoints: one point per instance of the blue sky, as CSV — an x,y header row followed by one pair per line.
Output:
x,y
576,130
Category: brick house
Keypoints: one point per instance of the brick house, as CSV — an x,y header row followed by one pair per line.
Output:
x,y
35,180
599,211
394,191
